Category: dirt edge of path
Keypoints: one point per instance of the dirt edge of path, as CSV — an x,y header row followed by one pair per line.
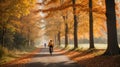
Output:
x,y
22,59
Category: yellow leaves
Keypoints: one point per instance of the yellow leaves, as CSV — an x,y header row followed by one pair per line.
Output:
x,y
55,10
27,12
25,2
16,23
16,8
12,15
18,15
83,29
11,27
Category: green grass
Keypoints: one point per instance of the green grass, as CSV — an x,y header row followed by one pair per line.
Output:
x,y
6,59
14,54
86,46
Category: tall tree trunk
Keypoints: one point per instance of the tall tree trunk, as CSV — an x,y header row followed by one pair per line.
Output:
x,y
66,31
28,35
66,35
3,34
75,25
66,27
91,36
59,39
112,48
55,39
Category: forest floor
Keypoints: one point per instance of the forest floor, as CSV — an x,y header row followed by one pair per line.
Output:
x,y
92,58
42,58
66,58
18,57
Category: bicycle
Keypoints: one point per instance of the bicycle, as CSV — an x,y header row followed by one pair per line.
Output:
x,y
51,50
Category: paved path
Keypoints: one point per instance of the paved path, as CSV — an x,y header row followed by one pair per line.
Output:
x,y
44,59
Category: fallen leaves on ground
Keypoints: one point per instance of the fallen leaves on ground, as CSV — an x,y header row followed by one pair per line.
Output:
x,y
92,58
21,61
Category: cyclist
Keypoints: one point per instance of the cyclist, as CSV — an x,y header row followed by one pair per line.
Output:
x,y
45,45
51,45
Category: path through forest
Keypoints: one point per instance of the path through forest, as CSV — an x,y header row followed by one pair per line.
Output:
x,y
44,59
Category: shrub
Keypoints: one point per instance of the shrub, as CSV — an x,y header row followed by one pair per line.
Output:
x,y
3,51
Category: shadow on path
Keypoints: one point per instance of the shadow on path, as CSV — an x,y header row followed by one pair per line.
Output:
x,y
60,64
44,59
39,64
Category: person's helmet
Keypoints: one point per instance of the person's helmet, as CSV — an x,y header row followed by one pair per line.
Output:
x,y
50,40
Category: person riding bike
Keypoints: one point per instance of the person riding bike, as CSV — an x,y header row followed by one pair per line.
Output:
x,y
51,45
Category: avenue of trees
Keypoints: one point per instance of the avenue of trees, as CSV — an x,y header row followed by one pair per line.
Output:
x,y
18,24
79,19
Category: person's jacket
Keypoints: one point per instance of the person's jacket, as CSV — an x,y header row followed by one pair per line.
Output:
x,y
50,44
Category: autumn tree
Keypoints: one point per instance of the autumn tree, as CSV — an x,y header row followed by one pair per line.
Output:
x,y
112,48
91,35
11,11
75,25
65,17
95,9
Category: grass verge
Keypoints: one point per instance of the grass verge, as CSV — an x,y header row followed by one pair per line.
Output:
x,y
14,54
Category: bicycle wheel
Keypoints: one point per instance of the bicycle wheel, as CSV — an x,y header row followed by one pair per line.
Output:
x,y
50,50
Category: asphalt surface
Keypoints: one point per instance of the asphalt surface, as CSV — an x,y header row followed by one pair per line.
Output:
x,y
44,59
